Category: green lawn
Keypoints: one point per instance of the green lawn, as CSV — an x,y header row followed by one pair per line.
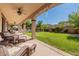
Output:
x,y
62,41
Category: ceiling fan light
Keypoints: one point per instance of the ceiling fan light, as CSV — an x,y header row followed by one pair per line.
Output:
x,y
19,12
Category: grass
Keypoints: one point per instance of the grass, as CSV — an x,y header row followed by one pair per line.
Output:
x,y
61,41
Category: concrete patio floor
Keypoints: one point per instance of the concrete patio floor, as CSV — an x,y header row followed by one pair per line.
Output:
x,y
42,49
47,50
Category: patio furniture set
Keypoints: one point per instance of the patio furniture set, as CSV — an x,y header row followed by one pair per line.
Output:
x,y
9,39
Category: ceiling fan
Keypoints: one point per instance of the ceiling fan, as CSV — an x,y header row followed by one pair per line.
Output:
x,y
19,10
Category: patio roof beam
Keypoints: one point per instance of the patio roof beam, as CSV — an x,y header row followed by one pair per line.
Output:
x,y
42,9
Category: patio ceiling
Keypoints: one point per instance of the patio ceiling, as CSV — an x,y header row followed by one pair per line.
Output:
x,y
30,10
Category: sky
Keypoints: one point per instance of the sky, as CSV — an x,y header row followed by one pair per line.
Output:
x,y
58,13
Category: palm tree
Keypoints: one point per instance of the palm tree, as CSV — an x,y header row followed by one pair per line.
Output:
x,y
44,27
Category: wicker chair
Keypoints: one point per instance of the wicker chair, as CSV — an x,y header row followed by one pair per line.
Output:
x,y
22,52
7,36
10,37
3,51
22,38
3,42
32,49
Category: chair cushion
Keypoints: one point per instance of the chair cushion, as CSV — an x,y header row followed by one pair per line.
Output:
x,y
7,34
23,51
1,39
22,37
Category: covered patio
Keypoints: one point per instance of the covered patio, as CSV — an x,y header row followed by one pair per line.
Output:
x,y
18,14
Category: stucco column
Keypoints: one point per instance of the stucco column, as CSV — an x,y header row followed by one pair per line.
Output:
x,y
24,27
19,28
4,23
6,26
33,29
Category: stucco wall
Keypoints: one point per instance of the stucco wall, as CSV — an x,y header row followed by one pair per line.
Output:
x,y
0,24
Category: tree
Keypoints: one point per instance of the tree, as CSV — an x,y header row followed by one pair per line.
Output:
x,y
74,19
28,24
39,25
44,27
